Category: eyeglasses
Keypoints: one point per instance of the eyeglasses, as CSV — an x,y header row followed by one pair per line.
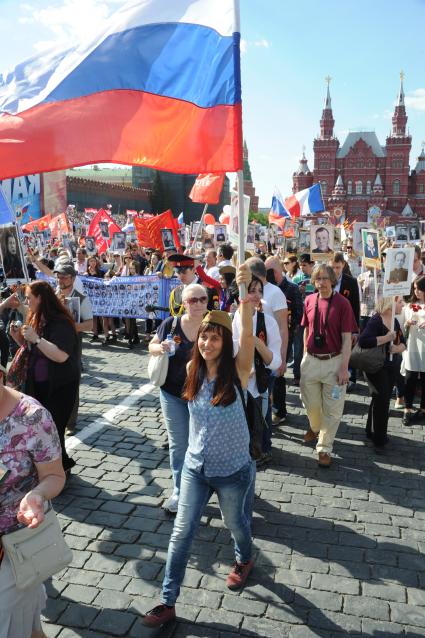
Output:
x,y
193,300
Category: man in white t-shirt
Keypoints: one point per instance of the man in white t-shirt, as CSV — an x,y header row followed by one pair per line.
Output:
x,y
274,303
211,267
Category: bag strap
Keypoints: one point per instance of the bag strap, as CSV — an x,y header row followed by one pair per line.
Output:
x,y
241,394
173,325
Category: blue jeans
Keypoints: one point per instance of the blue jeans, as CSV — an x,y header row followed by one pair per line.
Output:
x,y
176,417
235,496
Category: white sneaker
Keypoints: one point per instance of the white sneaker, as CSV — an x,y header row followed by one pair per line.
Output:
x,y
172,504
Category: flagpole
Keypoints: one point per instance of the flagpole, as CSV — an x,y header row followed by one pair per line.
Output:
x,y
241,226
195,239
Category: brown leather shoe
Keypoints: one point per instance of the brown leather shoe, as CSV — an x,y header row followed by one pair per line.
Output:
x,y
310,436
324,459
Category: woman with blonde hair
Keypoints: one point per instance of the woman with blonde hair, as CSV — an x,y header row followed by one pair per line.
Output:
x,y
174,408
381,331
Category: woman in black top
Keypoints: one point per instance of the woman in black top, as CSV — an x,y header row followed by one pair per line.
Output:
x,y
53,375
380,331
174,408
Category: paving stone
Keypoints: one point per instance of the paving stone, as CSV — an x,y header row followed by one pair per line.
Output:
x,y
113,622
366,607
80,593
387,591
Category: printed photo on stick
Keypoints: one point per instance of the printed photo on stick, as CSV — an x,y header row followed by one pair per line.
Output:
x,y
9,253
220,233
370,248
90,245
401,232
304,242
104,230
167,238
357,236
118,243
250,237
398,271
321,241
291,245
414,233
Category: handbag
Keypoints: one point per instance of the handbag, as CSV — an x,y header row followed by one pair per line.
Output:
x,y
18,370
368,360
38,553
255,421
158,364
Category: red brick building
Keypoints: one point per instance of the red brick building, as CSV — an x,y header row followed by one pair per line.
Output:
x,y
360,173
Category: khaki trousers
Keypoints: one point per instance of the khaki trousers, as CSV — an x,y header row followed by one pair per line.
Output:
x,y
318,376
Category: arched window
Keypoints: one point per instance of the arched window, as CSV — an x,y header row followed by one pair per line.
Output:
x,y
324,187
396,187
368,187
359,188
349,187
421,188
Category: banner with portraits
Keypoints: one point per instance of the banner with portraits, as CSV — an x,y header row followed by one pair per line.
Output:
x,y
127,297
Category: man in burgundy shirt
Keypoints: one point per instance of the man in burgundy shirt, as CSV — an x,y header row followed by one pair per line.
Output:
x,y
329,323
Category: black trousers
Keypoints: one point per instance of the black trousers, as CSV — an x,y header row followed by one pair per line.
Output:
x,y
380,386
60,404
410,388
4,347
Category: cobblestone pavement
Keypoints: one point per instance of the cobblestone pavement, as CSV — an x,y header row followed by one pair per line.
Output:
x,y
338,552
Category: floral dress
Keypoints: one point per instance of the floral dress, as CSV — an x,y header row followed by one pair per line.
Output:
x,y
27,436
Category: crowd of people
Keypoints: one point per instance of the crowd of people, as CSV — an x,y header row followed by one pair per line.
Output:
x,y
232,333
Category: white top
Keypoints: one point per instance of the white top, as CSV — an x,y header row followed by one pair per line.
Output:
x,y
274,343
414,355
273,299
213,272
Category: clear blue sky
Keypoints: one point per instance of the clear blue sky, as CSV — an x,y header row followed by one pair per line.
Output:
x,y
288,49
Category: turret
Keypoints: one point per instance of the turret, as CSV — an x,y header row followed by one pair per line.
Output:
x,y
327,121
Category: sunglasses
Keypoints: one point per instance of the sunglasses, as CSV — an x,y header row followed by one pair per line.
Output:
x,y
193,300
286,263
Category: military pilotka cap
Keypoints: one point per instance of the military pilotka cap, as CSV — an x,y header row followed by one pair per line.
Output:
x,y
65,269
227,270
181,261
220,317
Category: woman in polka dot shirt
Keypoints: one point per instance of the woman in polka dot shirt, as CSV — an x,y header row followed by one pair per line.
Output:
x,y
217,459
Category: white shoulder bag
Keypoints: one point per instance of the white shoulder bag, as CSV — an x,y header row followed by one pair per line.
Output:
x,y
158,364
38,553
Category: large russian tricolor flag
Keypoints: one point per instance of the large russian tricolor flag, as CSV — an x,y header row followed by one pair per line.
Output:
x,y
159,85
305,202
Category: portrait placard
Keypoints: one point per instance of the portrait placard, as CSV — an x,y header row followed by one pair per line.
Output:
x,y
10,255
321,241
304,242
118,243
357,236
167,238
370,248
398,271
219,233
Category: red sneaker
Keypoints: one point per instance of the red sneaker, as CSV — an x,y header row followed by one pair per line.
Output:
x,y
159,615
240,572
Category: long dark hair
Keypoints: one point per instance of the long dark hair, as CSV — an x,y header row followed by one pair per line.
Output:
x,y
224,390
50,308
419,283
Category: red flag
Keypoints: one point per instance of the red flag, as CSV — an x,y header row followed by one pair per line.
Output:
x,y
42,224
149,230
102,243
207,188
59,225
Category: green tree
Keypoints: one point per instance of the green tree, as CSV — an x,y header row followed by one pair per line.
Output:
x,y
260,218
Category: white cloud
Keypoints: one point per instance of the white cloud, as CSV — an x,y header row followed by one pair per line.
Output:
x,y
70,21
259,44
416,100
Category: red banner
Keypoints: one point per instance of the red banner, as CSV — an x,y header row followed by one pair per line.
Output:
x,y
207,188
149,230
101,225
